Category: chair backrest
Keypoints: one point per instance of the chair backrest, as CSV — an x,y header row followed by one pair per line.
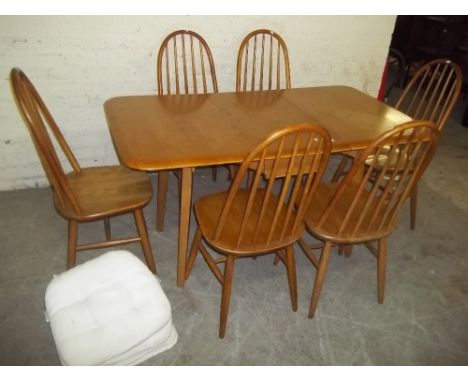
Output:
x,y
39,122
369,198
185,65
262,62
271,212
432,92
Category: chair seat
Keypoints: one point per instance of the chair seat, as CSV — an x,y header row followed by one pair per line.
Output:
x,y
109,311
382,159
329,229
208,210
104,191
282,167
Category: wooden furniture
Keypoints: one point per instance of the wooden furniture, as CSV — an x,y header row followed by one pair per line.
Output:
x,y
428,37
365,206
431,94
262,218
184,65
152,133
262,62
84,194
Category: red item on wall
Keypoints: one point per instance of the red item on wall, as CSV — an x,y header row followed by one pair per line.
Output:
x,y
383,83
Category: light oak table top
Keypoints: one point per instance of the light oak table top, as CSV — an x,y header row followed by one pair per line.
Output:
x,y
163,132
186,131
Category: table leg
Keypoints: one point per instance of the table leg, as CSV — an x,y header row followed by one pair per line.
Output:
x,y
184,223
163,180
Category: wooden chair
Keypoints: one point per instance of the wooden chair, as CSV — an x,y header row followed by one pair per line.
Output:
x,y
365,206
262,218
84,194
262,62
184,66
430,95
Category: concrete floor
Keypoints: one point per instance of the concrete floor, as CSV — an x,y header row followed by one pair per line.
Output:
x,y
424,320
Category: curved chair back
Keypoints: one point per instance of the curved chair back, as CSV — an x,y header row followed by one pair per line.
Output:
x,y
185,65
432,92
39,122
270,215
367,202
262,62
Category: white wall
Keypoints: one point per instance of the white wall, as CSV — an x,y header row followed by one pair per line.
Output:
x,y
77,63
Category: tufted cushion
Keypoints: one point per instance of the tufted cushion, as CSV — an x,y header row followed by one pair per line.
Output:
x,y
109,311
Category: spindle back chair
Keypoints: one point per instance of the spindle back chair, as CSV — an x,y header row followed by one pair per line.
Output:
x,y
184,65
259,217
84,194
365,206
431,95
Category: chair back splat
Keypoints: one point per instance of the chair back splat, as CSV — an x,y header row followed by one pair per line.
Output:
x,y
432,92
185,65
263,62
39,121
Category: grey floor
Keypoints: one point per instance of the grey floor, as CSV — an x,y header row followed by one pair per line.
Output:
x,y
424,320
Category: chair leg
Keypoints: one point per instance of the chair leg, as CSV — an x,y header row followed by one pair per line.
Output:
x,y
214,173
163,180
107,228
232,171
226,294
250,179
193,253
145,243
413,206
72,242
320,277
381,269
277,258
292,281
339,170
346,250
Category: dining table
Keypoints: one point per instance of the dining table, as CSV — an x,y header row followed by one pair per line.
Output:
x,y
184,132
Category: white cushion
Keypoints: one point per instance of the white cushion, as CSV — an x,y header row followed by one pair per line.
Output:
x,y
109,311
